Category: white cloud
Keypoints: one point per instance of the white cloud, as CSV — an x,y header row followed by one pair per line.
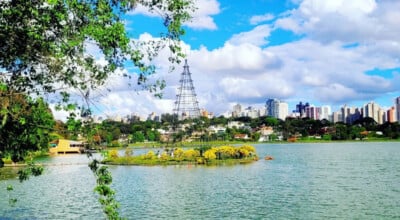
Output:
x,y
313,66
336,92
201,18
234,59
321,67
246,73
257,36
127,102
256,19
362,21
288,23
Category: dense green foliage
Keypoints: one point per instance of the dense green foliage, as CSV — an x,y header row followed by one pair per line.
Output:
x,y
26,124
197,130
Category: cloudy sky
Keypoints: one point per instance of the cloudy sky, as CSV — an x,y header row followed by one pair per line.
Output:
x,y
325,52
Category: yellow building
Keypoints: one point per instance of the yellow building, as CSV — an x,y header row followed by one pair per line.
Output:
x,y
66,146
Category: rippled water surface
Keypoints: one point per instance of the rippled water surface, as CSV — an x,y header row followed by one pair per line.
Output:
x,y
304,181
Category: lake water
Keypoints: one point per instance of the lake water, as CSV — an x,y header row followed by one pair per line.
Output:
x,y
304,181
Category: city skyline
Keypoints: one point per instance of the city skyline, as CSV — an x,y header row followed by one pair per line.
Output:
x,y
346,113
328,52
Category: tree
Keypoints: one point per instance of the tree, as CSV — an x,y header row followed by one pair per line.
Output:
x,y
391,130
26,125
138,136
43,49
271,121
73,127
44,42
356,131
341,132
256,136
152,135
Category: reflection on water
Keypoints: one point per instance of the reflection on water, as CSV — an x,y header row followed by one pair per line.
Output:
x,y
304,181
7,173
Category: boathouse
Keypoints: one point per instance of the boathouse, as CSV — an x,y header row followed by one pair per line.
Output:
x,y
64,146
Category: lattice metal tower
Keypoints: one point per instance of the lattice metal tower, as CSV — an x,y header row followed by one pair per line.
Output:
x,y
186,104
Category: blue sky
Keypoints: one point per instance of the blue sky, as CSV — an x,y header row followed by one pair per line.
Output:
x,y
325,52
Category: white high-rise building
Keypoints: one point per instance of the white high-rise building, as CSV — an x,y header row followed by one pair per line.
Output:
x,y
337,117
372,110
325,112
311,112
283,111
381,116
251,112
350,114
237,110
276,108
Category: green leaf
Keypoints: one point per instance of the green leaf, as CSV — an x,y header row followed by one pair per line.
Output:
x,y
22,121
3,87
10,188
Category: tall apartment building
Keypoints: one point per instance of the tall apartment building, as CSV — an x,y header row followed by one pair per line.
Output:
x,y
372,110
270,107
301,109
276,108
237,110
325,112
346,111
350,114
312,112
391,115
337,117
252,112
397,106
283,110
381,116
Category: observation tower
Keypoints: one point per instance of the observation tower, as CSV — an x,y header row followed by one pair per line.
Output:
x,y
186,104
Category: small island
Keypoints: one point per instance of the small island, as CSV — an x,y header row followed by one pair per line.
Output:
x,y
222,155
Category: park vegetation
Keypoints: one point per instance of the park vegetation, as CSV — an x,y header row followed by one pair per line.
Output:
x,y
176,156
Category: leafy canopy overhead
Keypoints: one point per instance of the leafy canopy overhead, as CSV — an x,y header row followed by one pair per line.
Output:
x,y
44,49
43,43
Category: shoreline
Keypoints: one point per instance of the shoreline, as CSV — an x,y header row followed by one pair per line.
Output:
x,y
218,143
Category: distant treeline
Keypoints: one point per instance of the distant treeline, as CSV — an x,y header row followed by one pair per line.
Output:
x,y
112,132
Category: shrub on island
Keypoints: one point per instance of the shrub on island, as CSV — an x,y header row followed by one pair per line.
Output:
x,y
213,155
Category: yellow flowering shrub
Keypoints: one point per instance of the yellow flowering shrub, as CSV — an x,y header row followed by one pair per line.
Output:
x,y
249,148
210,154
164,156
190,154
113,154
178,153
226,151
200,160
149,155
